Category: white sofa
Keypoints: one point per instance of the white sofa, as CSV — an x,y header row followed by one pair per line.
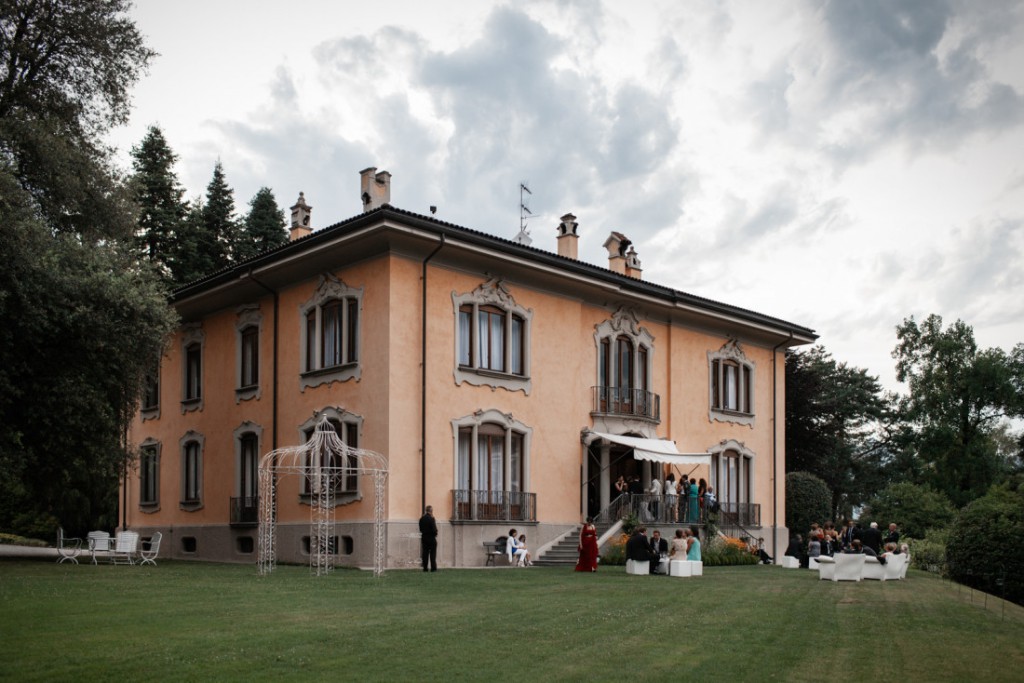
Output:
x,y
849,567
873,569
826,568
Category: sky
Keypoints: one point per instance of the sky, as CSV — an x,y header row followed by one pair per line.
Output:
x,y
839,165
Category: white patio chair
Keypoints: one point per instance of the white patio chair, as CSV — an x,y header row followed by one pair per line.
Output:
x,y
906,566
849,567
826,568
148,555
894,566
125,546
99,542
873,569
67,548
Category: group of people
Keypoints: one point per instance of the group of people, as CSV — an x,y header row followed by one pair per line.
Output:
x,y
827,540
685,546
686,501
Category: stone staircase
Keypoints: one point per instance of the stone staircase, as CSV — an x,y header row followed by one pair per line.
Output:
x,y
564,553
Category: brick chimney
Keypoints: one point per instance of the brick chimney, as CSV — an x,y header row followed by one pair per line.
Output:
x,y
301,225
617,244
568,240
375,188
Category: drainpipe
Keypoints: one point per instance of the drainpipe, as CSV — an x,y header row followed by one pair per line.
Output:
x,y
273,433
423,383
775,445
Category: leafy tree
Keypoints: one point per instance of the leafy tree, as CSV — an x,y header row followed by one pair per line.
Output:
x,y
984,548
833,416
80,318
264,226
158,195
958,397
66,71
808,500
915,509
69,374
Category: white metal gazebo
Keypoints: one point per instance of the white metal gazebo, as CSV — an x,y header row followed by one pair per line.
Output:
x,y
324,461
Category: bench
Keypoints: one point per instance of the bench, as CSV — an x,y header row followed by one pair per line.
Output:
x,y
494,549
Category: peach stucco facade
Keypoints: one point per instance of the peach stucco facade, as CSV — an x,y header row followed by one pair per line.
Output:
x,y
418,400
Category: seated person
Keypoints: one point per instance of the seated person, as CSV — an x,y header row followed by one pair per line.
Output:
x,y
659,548
796,549
515,552
527,558
679,546
813,548
638,548
859,548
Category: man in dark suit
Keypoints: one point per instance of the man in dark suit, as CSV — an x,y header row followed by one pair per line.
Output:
x,y
428,539
893,536
850,534
638,548
659,547
872,538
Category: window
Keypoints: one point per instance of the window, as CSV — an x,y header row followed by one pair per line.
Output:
x,y
191,471
346,484
193,467
330,333
624,351
731,385
491,453
193,372
248,466
149,474
151,390
250,360
192,341
492,334
731,475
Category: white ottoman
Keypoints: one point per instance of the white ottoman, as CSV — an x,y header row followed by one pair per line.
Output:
x,y
638,568
680,568
696,568
790,562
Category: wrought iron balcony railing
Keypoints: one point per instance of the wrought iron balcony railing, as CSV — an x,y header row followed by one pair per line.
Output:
x,y
493,506
626,402
245,511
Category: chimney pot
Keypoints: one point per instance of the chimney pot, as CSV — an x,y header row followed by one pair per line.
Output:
x,y
568,240
375,188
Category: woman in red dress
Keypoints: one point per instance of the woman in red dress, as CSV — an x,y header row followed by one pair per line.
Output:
x,y
588,548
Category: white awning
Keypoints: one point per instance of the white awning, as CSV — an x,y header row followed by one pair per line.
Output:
x,y
655,450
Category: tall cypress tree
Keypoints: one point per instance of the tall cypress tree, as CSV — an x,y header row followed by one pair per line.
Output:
x,y
264,226
159,197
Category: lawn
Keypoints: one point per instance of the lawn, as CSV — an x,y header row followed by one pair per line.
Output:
x,y
204,622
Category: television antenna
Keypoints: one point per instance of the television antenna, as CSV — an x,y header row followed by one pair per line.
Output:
x,y
524,235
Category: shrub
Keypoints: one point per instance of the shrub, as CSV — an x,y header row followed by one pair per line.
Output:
x,y
719,552
914,508
808,500
984,549
615,551
929,553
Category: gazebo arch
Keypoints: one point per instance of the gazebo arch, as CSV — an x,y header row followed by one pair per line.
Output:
x,y
324,460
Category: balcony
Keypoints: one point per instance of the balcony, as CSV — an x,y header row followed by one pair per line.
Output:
x,y
245,511
635,403
739,514
493,506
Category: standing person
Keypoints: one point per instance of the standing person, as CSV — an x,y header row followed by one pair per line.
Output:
x,y
893,536
872,538
694,503
702,488
710,501
849,535
655,492
670,498
587,548
428,539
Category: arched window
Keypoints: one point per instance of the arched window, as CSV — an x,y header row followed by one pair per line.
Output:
x,y
731,385
624,351
492,338
149,475
191,471
347,426
192,341
492,466
330,333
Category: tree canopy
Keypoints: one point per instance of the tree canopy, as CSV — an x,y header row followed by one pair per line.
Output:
x,y
264,226
159,197
958,397
834,415
81,319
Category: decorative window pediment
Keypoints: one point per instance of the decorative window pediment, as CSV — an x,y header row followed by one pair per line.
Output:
x,y
329,322
248,328
731,385
625,352
492,338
